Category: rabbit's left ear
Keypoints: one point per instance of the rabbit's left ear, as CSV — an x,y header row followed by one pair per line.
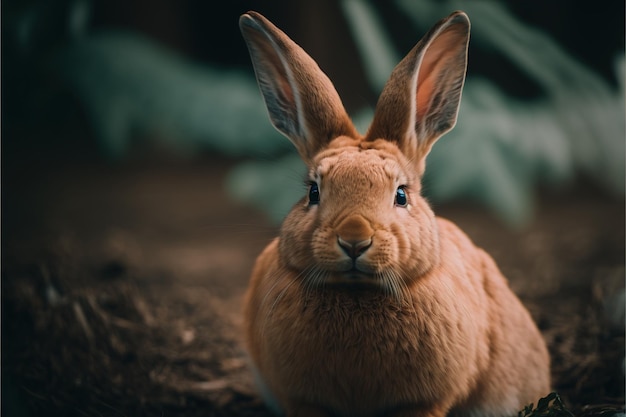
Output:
x,y
420,101
302,102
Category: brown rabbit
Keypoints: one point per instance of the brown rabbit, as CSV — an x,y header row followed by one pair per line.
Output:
x,y
367,304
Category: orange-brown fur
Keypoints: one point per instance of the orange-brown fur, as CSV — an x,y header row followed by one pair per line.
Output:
x,y
421,322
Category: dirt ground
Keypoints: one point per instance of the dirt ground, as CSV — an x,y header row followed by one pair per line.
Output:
x,y
122,287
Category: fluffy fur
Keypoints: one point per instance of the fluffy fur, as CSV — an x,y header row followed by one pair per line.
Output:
x,y
367,305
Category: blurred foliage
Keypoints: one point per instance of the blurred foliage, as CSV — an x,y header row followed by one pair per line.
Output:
x,y
502,149
133,87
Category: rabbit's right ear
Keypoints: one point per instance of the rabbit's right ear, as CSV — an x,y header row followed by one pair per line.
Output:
x,y
302,102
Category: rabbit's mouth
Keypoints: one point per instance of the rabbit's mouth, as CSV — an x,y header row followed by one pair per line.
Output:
x,y
351,270
359,280
355,275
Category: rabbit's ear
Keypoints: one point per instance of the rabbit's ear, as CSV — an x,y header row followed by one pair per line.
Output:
x,y
421,99
302,102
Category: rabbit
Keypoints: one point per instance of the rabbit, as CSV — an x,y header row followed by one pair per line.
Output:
x,y
367,304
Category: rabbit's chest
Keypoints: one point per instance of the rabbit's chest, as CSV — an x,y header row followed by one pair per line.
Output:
x,y
369,352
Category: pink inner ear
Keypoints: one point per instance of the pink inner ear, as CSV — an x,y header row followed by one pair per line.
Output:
x,y
286,91
281,78
435,61
424,95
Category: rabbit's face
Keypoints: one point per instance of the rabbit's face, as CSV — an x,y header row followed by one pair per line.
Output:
x,y
363,221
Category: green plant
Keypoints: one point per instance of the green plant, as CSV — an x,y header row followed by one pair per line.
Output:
x,y
548,406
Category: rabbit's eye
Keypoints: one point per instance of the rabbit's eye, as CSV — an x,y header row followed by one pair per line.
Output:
x,y
314,194
401,199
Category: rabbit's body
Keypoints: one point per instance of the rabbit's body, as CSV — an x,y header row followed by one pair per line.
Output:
x,y
367,304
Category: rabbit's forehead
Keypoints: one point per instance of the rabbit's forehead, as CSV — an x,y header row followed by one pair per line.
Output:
x,y
355,166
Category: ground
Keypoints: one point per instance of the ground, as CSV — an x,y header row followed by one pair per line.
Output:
x,y
122,286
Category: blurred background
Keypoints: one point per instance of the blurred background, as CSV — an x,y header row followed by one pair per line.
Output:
x,y
141,177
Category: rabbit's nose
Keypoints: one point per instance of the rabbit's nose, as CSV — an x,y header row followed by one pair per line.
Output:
x,y
354,249
354,235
